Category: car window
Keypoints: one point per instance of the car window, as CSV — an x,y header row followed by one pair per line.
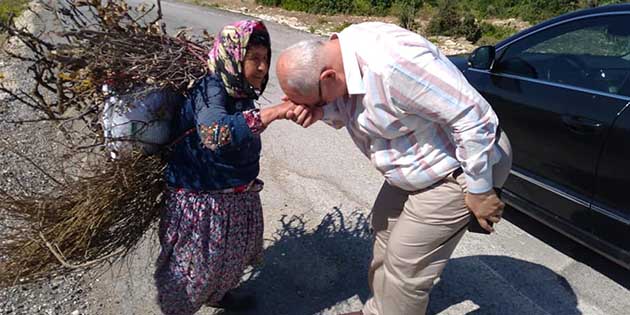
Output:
x,y
592,53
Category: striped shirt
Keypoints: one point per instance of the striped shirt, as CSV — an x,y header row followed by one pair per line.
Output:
x,y
411,111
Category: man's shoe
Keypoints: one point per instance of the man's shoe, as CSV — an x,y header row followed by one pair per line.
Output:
x,y
231,301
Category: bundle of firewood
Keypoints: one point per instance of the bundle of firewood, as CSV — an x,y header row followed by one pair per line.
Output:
x,y
99,212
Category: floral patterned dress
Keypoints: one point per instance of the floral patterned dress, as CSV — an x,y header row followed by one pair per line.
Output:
x,y
211,227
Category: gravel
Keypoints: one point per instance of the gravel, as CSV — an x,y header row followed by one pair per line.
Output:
x,y
62,295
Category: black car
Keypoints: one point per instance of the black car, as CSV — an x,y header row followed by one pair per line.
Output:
x,y
561,90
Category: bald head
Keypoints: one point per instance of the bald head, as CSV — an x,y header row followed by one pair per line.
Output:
x,y
299,67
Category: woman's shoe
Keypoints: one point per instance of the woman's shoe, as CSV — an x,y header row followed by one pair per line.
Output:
x,y
232,301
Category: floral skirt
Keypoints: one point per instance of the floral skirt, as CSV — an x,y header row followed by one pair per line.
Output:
x,y
207,240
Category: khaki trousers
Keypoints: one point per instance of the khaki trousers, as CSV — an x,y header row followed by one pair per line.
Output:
x,y
415,235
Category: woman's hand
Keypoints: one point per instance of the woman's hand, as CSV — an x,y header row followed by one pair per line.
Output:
x,y
302,115
280,111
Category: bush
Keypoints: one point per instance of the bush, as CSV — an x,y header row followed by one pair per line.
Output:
x,y
496,31
492,34
379,7
449,22
312,6
446,20
341,27
271,3
10,8
487,40
530,10
406,11
469,28
361,7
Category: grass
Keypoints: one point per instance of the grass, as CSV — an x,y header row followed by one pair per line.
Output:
x,y
203,3
492,34
10,8
341,27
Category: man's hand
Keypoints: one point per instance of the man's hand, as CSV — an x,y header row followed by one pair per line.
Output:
x,y
305,116
486,207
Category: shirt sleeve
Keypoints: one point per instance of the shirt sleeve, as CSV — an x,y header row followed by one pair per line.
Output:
x,y
216,127
254,121
432,87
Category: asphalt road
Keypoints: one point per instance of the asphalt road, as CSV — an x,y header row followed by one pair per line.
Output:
x,y
318,192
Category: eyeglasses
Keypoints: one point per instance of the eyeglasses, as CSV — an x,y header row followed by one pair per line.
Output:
x,y
321,101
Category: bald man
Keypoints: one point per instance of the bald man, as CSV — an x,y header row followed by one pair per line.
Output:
x,y
434,138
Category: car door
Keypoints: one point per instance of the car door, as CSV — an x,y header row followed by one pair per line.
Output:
x,y
610,217
556,92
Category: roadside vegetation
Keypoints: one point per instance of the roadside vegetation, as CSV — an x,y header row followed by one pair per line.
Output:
x,y
460,18
9,8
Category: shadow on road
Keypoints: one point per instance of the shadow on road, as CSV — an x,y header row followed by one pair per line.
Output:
x,y
306,271
569,247
310,271
502,285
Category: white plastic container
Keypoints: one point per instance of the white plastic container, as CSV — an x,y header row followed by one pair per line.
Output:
x,y
139,121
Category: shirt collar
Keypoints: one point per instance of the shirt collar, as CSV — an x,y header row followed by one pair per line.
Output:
x,y
354,79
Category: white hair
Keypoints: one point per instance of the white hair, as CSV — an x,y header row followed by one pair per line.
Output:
x,y
305,65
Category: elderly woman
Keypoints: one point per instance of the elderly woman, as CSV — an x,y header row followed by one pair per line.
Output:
x,y
212,226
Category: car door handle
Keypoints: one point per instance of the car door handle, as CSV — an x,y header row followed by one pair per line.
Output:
x,y
582,125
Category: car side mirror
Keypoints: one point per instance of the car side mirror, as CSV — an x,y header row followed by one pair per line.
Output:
x,y
482,58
